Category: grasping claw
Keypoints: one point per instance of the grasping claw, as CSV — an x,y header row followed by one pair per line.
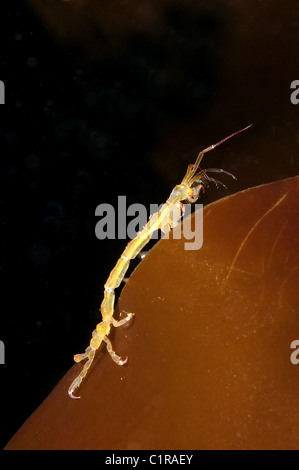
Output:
x,y
76,383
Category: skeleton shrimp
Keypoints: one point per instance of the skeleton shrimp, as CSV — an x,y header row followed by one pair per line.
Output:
x,y
165,219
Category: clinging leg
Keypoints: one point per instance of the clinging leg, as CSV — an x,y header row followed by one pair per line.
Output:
x,y
76,383
117,323
114,356
85,355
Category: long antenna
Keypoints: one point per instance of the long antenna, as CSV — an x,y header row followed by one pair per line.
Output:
x,y
223,140
194,168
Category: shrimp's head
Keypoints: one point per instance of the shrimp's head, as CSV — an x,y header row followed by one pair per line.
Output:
x,y
181,192
194,191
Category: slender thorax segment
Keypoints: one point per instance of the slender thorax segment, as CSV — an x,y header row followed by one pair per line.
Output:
x,y
194,181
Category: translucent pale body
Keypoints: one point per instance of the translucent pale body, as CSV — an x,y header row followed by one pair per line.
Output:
x,y
164,219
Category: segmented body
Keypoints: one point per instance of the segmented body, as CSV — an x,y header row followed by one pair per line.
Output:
x,y
165,219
